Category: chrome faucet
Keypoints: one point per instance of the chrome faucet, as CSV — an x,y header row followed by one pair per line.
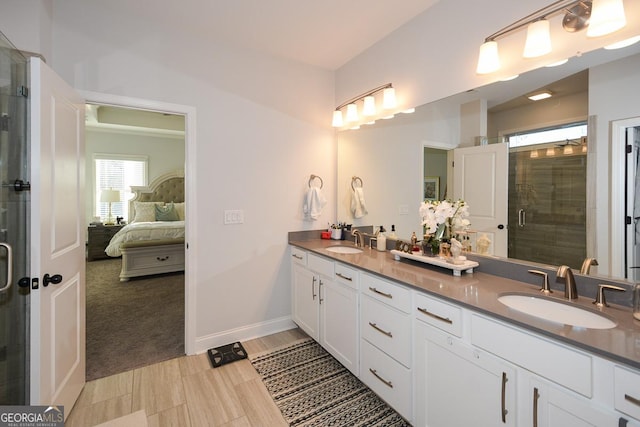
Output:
x,y
586,265
570,290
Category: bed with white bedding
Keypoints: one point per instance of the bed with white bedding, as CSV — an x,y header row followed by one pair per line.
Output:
x,y
153,241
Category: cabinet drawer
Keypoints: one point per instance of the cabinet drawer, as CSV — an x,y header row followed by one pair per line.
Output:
x,y
387,378
386,328
627,391
298,256
346,275
151,258
553,361
439,314
320,265
387,292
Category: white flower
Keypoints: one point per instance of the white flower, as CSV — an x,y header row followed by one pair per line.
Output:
x,y
455,214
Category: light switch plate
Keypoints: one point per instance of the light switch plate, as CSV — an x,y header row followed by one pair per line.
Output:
x,y
233,216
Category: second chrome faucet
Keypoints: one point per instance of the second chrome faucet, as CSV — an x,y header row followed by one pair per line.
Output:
x,y
570,289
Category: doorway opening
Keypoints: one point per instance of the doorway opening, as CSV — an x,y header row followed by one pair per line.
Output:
x,y
142,320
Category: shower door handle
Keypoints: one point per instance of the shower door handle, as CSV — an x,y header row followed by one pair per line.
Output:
x,y
522,218
9,266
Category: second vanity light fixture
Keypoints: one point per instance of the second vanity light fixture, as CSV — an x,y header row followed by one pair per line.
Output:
x,y
368,102
600,17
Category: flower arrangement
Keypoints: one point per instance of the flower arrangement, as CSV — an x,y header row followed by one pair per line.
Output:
x,y
437,216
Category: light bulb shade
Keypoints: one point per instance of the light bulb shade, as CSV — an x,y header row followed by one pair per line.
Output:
x,y
538,39
110,196
607,16
623,43
352,113
389,98
337,119
488,60
369,107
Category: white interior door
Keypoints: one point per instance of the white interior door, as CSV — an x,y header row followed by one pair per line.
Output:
x,y
632,235
57,240
480,178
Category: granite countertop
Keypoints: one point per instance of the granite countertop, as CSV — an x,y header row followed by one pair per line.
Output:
x,y
479,292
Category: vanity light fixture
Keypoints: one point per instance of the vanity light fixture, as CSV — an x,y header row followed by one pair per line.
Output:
x,y
538,96
368,102
602,17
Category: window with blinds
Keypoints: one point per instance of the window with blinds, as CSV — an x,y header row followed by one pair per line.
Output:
x,y
115,172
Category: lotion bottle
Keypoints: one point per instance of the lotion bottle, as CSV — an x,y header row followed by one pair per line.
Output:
x,y
381,240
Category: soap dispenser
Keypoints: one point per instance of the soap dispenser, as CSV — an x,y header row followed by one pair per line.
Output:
x,y
392,235
381,240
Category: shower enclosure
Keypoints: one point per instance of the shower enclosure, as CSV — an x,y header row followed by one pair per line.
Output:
x,y
14,239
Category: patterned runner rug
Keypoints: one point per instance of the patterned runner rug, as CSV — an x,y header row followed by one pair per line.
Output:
x,y
311,388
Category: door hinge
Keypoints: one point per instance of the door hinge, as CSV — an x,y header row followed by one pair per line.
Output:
x,y
23,91
4,122
453,164
628,220
628,149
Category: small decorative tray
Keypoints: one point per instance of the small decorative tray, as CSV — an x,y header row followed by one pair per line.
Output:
x,y
466,265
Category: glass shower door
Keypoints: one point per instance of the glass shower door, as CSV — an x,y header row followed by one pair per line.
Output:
x,y
14,208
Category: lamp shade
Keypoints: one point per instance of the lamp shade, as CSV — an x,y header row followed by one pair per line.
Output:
x,y
389,98
538,39
488,60
110,196
369,107
607,16
337,119
352,113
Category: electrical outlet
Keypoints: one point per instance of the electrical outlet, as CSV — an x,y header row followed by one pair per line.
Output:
x,y
233,216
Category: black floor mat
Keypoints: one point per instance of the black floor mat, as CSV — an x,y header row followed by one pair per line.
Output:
x,y
226,354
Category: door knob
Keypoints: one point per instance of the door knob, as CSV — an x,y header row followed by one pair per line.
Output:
x,y
55,279
500,226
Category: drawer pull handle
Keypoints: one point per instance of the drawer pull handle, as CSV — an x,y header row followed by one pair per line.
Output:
x,y
382,331
297,256
632,399
313,288
503,403
385,382
435,316
380,292
162,258
342,276
536,396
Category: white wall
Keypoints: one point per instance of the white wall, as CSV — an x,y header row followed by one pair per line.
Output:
x,y
257,144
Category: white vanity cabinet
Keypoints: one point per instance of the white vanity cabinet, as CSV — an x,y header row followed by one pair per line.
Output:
x,y
325,304
386,341
457,384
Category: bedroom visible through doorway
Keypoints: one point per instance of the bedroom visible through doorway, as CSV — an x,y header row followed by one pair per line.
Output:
x,y
140,321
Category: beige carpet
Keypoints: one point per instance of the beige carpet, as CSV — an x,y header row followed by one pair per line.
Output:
x,y
131,324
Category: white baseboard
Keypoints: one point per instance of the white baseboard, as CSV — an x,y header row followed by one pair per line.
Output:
x,y
243,333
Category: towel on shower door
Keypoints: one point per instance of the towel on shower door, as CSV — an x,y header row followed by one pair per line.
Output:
x,y
314,202
358,205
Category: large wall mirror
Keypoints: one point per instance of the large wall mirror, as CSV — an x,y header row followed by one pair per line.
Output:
x,y
395,158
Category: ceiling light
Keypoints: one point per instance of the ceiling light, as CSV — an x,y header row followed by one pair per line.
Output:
x,y
539,95
551,152
568,149
538,39
607,16
369,107
367,101
533,154
623,43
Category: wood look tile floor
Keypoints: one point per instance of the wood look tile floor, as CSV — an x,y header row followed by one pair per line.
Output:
x,y
185,391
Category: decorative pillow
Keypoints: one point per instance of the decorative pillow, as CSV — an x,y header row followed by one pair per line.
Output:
x,y
166,213
145,211
180,210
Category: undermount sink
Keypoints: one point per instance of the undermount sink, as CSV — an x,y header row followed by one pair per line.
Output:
x,y
344,250
556,311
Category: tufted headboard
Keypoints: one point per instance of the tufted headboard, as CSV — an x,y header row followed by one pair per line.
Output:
x,y
165,188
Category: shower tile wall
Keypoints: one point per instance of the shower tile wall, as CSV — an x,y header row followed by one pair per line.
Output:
x,y
547,208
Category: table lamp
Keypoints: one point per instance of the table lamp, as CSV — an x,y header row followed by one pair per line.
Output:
x,y
110,196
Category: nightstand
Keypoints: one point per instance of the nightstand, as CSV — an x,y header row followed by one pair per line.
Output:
x,y
98,240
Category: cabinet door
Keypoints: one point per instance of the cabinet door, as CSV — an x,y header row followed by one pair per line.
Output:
x,y
305,301
548,405
339,322
458,385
